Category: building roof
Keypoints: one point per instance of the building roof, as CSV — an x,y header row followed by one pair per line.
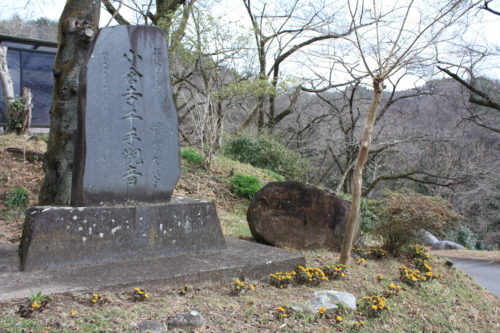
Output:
x,y
28,44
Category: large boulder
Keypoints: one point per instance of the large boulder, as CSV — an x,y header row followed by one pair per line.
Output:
x,y
447,245
427,238
297,215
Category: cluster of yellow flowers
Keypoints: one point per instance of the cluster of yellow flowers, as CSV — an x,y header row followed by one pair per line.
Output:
x,y
419,251
334,272
139,295
96,299
370,253
183,291
392,290
410,276
282,280
422,265
36,305
360,261
310,275
374,305
240,288
359,323
281,312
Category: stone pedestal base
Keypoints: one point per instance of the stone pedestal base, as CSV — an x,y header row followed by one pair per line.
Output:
x,y
74,236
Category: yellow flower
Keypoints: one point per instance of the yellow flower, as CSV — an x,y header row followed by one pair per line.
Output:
x,y
322,310
251,287
73,313
281,309
374,307
339,318
146,295
392,285
137,289
36,305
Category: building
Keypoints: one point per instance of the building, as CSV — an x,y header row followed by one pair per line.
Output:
x,y
30,64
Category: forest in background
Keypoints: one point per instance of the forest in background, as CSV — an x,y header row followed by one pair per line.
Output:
x,y
429,138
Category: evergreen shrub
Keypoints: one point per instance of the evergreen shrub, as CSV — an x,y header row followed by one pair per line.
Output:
x,y
245,186
267,153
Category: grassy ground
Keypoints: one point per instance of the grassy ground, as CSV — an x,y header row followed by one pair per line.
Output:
x,y
454,303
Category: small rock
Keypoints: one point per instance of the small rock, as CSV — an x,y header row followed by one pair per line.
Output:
x,y
447,245
188,320
314,304
151,326
427,238
336,297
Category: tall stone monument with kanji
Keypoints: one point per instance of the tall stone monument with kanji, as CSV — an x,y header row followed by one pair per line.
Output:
x,y
126,166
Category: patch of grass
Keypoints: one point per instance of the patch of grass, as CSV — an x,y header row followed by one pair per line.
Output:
x,y
274,175
17,198
192,156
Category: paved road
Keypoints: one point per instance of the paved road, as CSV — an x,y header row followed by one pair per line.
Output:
x,y
486,273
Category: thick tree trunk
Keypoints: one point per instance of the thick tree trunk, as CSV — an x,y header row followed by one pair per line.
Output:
x,y
352,225
6,79
78,24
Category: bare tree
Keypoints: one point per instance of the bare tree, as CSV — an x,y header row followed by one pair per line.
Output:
x,y
400,40
281,32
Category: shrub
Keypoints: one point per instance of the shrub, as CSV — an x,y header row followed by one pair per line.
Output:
x,y
191,156
466,237
267,153
368,218
245,186
17,198
404,214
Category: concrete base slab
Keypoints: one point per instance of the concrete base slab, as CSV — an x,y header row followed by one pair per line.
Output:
x,y
240,259
74,236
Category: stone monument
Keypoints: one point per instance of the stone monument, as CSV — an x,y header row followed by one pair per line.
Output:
x,y
126,166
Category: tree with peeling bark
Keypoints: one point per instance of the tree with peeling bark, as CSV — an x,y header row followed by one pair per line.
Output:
x,y
399,41
78,25
6,80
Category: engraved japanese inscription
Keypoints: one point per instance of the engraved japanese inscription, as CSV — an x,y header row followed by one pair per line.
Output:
x,y
127,149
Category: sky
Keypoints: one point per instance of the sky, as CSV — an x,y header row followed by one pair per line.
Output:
x,y
485,31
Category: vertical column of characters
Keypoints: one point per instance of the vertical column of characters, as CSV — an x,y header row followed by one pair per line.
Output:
x,y
132,154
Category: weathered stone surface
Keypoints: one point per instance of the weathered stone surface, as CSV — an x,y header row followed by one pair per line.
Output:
x,y
447,245
151,326
241,258
427,238
66,236
127,147
188,320
314,305
297,215
336,297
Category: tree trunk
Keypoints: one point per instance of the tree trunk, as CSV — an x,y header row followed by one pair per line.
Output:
x,y
6,79
25,114
78,24
352,225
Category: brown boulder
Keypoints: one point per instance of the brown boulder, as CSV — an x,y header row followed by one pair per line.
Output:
x,y
297,215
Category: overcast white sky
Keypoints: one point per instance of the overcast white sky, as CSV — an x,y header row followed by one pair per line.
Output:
x,y
487,30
